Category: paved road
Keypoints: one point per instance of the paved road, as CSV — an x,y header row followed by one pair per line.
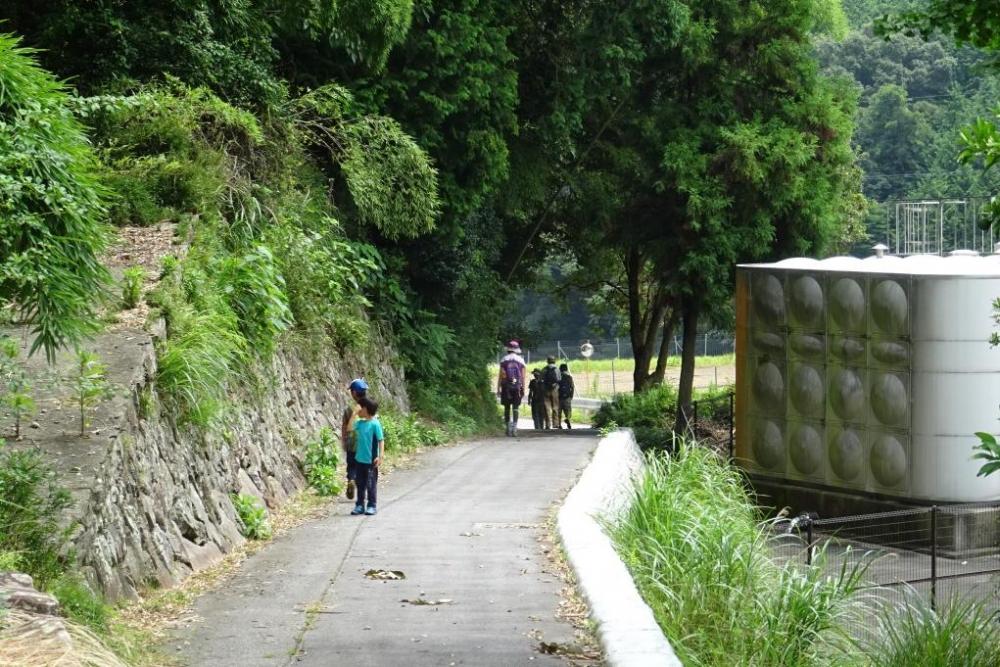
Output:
x,y
463,525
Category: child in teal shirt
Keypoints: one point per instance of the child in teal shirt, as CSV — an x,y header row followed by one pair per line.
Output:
x,y
370,446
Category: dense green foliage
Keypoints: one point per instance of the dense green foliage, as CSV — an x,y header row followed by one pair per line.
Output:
x,y
651,413
701,556
51,205
239,48
31,507
692,157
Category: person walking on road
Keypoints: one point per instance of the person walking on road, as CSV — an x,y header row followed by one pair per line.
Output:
x,y
510,385
369,448
359,390
536,399
550,379
566,392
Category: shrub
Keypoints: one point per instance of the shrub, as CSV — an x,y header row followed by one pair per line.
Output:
x,y
651,413
31,504
405,433
321,462
694,542
132,280
253,516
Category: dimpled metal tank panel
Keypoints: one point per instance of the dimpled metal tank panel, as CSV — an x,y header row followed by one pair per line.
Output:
x,y
869,375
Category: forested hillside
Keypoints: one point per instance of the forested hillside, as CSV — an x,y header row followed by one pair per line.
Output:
x,y
915,96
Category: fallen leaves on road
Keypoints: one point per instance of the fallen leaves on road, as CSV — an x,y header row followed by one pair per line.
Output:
x,y
385,575
423,602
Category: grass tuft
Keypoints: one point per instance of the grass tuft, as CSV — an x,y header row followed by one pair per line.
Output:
x,y
694,542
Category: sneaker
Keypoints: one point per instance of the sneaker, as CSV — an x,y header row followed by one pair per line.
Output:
x,y
350,489
371,510
358,509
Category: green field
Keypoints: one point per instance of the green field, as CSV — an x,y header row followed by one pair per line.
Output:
x,y
622,365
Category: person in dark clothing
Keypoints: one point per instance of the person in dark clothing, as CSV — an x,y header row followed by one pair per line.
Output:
x,y
536,399
566,393
550,378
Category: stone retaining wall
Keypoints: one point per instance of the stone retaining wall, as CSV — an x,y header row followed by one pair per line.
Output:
x,y
159,507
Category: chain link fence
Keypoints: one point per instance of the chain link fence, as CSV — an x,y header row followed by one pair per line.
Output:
x,y
944,553
712,343
609,370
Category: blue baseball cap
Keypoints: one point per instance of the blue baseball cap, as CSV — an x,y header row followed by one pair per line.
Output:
x,y
358,386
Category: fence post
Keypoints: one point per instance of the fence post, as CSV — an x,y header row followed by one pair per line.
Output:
x,y
934,511
732,424
809,540
614,389
694,418
618,343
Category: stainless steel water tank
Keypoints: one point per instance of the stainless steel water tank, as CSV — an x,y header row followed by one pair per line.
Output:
x,y
869,376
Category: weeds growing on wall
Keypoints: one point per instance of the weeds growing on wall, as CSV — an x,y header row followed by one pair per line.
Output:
x,y
321,459
132,280
253,516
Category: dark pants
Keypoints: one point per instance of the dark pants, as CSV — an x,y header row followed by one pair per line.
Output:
x,y
511,399
538,414
367,480
352,463
566,410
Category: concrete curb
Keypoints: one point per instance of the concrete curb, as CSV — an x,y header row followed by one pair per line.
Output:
x,y
626,627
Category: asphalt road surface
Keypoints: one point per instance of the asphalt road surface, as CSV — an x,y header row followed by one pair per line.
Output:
x,y
462,525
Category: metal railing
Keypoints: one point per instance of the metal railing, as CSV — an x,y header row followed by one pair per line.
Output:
x,y
939,551
712,343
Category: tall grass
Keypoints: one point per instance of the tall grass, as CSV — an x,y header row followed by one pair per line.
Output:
x,y
961,633
696,547
197,365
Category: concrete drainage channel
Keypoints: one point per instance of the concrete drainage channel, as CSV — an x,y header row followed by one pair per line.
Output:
x,y
627,630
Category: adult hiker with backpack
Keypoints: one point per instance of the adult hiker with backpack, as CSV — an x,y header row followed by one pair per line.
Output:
x,y
536,399
510,385
566,392
550,381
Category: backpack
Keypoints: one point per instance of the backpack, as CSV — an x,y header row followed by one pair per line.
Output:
x,y
511,373
551,377
566,386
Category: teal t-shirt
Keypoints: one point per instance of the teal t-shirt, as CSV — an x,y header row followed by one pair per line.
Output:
x,y
367,433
